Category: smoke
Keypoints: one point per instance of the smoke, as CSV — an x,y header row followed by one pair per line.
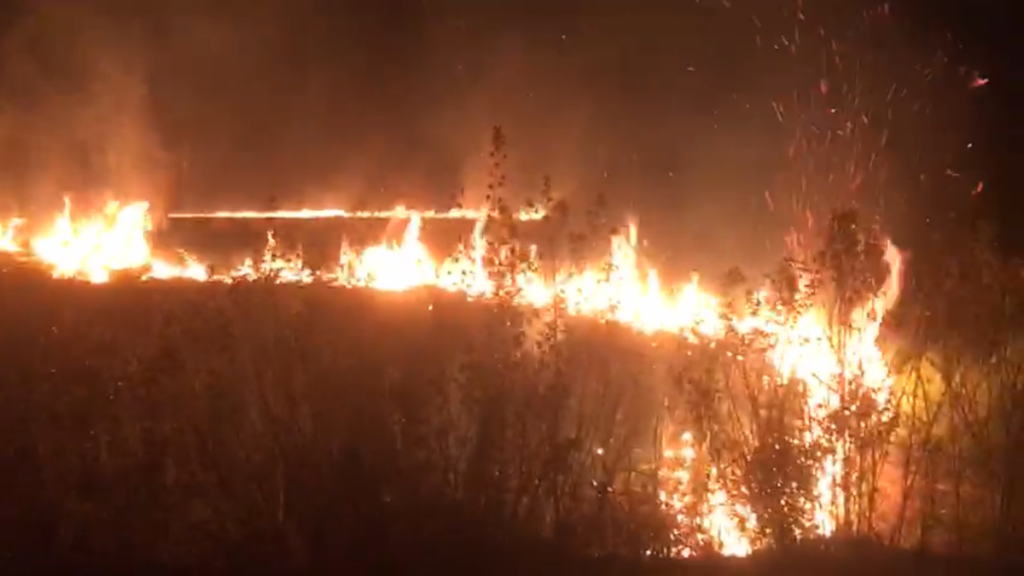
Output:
x,y
665,111
503,79
75,118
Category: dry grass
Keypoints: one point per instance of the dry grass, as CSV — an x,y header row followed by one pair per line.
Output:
x,y
175,426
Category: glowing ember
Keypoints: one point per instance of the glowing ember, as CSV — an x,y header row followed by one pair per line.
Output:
x,y
800,345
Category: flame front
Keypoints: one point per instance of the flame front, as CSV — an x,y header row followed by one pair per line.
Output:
x,y
92,249
526,214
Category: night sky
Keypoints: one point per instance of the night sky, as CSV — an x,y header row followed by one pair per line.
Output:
x,y
719,124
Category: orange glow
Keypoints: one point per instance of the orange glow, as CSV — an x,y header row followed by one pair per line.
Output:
x,y
800,345
8,235
312,214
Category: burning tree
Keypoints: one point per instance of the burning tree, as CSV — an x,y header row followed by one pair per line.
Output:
x,y
551,418
808,416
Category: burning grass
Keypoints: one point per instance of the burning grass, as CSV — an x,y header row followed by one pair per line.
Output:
x,y
165,420
729,416
260,425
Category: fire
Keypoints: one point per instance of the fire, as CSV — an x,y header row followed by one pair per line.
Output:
x,y
724,525
525,214
93,248
393,267
800,346
8,235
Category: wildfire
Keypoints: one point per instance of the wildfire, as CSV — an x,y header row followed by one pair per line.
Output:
x,y
8,235
525,214
95,247
800,348
723,524
92,248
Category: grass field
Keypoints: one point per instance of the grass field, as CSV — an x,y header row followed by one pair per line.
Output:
x,y
254,426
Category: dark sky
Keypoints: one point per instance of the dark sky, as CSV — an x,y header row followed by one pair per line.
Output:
x,y
719,124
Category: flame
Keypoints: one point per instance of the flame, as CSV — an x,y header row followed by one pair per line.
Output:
x,y
8,235
801,345
93,248
393,267
401,212
723,525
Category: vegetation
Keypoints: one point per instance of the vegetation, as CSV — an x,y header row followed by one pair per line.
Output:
x,y
305,427
260,425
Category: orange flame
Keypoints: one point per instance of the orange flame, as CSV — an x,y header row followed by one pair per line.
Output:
x,y
526,214
800,347
8,235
